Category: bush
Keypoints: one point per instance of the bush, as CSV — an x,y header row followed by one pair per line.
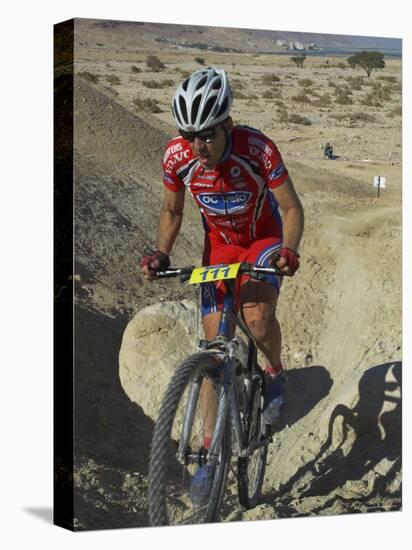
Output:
x,y
323,101
154,63
342,98
355,82
200,60
355,117
157,83
283,115
305,82
301,98
270,79
297,119
113,80
147,104
397,111
269,94
89,76
377,96
391,79
135,69
298,60
361,117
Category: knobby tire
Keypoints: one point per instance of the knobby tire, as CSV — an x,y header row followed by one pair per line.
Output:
x,y
195,365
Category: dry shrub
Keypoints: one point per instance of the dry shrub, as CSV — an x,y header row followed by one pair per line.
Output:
x,y
269,94
147,104
154,63
397,111
355,82
89,76
270,79
301,98
113,79
323,101
158,83
305,82
297,119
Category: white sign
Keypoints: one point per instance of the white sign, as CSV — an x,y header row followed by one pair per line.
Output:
x,y
379,181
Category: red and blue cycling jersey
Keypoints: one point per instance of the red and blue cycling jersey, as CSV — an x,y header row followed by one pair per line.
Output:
x,y
235,200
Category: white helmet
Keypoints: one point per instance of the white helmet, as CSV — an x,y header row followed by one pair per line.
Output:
x,y
202,100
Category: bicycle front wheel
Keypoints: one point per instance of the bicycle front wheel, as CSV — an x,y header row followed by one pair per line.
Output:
x,y
251,469
177,449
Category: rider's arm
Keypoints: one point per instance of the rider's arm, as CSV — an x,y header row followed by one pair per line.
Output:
x,y
293,217
170,220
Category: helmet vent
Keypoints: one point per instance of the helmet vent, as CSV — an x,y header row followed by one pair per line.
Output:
x,y
223,108
201,82
195,107
183,109
207,109
217,84
185,84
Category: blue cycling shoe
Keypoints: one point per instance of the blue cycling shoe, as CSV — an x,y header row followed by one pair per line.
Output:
x,y
274,398
201,485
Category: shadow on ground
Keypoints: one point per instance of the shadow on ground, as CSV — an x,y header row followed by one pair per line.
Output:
x,y
371,437
305,388
112,434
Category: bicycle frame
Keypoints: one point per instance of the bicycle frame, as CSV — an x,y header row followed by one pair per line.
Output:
x,y
224,347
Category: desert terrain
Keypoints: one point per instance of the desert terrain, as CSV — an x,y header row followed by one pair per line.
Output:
x,y
338,446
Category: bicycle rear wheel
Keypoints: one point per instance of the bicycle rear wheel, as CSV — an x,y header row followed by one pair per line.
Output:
x,y
251,469
177,447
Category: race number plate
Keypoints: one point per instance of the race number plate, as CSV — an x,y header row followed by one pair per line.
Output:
x,y
214,273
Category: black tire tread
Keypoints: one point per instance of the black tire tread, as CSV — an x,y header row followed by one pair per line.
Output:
x,y
162,434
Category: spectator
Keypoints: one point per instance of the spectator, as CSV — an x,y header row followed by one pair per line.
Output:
x,y
329,151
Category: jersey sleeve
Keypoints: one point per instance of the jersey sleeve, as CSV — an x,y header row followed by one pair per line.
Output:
x,y
170,179
274,169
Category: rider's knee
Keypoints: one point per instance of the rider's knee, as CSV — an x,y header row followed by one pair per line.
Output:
x,y
260,327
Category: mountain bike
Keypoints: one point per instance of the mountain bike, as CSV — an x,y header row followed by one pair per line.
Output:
x,y
237,427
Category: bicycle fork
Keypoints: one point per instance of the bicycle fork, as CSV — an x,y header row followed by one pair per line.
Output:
x,y
184,453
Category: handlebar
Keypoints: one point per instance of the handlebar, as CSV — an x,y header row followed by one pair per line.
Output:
x,y
245,268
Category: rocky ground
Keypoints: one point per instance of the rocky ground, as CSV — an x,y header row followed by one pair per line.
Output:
x,y
338,446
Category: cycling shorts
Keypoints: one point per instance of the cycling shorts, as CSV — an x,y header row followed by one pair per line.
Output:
x,y
257,252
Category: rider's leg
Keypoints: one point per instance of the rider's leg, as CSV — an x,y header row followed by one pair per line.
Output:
x,y
258,301
208,404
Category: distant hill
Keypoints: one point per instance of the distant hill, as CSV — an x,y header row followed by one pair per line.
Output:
x,y
141,35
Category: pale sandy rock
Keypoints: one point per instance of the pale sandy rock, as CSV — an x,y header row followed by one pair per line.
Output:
x,y
155,343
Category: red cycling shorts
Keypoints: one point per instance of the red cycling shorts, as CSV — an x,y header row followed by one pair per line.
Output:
x,y
257,252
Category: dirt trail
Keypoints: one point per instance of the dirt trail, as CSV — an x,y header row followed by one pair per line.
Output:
x,y
338,447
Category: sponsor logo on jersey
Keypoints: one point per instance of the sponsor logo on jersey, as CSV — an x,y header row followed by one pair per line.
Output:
x,y
176,158
176,148
235,171
220,203
255,152
207,177
277,172
259,144
202,184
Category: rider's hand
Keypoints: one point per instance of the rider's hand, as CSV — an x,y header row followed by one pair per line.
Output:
x,y
287,260
152,262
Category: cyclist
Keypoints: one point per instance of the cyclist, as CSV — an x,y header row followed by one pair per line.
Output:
x,y
237,177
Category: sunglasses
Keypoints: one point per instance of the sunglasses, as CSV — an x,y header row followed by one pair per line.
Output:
x,y
205,135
